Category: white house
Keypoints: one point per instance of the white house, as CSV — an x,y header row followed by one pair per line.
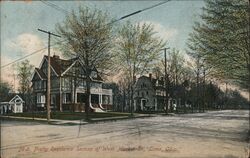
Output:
x,y
15,105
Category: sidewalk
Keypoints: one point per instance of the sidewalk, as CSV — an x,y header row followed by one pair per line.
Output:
x,y
78,122
52,121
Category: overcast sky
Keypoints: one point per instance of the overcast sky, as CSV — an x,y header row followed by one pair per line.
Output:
x,y
20,21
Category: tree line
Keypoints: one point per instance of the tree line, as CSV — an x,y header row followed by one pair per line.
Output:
x,y
218,43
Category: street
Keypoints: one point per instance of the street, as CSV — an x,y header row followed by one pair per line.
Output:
x,y
209,135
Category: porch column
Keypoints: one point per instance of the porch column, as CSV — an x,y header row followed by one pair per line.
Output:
x,y
111,99
169,103
134,105
76,97
141,105
14,108
100,98
155,104
60,95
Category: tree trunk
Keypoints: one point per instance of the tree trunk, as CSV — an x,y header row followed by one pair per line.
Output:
x,y
88,98
74,104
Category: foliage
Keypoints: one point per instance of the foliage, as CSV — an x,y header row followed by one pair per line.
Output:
x,y
24,74
137,48
221,39
117,96
88,35
5,89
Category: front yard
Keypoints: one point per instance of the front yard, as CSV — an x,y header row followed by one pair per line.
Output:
x,y
70,115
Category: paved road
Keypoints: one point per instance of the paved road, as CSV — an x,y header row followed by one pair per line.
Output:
x,y
213,134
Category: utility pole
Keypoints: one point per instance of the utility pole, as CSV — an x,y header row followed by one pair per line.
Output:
x,y
48,73
204,88
166,79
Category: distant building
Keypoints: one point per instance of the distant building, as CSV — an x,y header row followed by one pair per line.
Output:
x,y
13,104
149,94
68,86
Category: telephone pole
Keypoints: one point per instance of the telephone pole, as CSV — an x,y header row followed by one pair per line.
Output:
x,y
166,79
48,73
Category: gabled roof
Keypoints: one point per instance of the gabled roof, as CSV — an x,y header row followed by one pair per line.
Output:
x,y
154,81
15,98
40,74
11,97
60,67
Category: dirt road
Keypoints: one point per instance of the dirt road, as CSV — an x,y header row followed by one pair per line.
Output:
x,y
205,135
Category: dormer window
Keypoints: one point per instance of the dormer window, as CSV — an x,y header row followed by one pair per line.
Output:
x,y
94,74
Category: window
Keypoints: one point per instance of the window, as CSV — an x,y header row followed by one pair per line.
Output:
x,y
82,83
147,92
53,99
35,85
143,85
39,84
66,83
66,97
40,98
44,84
142,94
94,74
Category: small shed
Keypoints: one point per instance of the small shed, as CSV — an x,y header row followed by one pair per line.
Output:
x,y
15,105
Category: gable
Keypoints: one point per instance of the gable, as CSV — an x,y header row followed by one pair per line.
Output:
x,y
75,69
36,76
16,99
44,68
144,82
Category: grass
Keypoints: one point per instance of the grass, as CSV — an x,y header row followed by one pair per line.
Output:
x,y
70,115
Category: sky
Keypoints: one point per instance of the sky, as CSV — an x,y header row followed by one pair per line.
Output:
x,y
20,20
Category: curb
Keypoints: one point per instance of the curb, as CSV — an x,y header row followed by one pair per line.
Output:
x,y
72,122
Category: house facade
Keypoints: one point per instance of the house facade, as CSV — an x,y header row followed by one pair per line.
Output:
x,y
13,104
68,86
149,94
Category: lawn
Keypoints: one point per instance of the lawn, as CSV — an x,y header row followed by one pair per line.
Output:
x,y
70,115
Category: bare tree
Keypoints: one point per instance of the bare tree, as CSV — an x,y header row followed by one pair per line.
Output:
x,y
24,75
137,48
89,36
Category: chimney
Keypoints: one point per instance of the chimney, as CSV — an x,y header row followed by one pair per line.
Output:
x,y
134,79
150,76
162,78
56,56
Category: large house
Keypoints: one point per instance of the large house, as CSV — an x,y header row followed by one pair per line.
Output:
x,y
68,86
149,94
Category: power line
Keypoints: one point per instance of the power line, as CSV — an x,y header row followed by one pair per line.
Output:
x,y
139,11
26,56
54,6
63,10
35,52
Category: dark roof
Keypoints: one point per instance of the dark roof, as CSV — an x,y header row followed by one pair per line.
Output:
x,y
9,97
41,74
98,78
60,65
153,81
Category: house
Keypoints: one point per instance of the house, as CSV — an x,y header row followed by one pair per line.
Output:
x,y
68,86
13,104
149,94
